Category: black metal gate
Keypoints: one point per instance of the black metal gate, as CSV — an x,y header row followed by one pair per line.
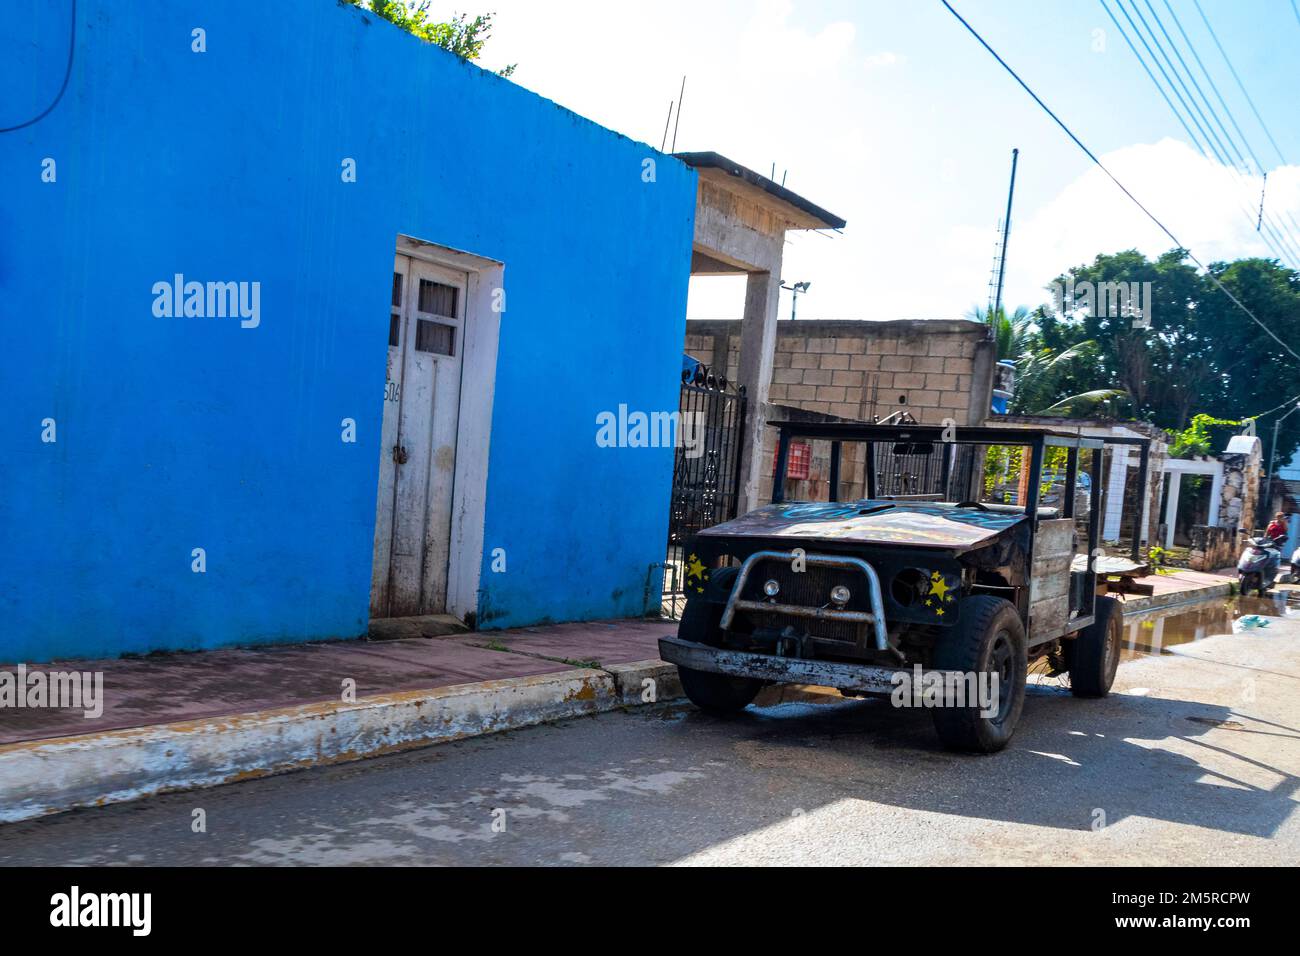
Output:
x,y
706,477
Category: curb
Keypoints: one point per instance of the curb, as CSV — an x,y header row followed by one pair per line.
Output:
x,y
1152,602
41,777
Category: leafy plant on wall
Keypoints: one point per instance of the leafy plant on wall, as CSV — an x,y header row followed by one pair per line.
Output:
x,y
460,35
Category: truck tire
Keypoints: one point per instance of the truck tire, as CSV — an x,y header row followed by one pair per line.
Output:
x,y
717,694
1093,657
987,638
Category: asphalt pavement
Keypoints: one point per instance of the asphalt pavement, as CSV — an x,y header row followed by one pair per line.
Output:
x,y
1193,760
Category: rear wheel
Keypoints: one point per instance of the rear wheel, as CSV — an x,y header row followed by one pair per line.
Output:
x,y
988,639
718,694
1093,656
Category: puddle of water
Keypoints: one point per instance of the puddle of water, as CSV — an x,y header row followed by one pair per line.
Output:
x,y
1157,632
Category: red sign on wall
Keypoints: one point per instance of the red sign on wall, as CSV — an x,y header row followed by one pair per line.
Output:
x,y
798,461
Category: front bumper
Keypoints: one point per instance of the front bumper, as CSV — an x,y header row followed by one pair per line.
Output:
x,y
862,678
875,617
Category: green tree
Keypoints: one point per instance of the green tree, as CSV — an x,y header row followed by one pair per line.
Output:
x,y
1013,333
461,35
1201,351
1040,369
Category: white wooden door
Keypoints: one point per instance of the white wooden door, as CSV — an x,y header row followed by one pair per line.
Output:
x,y
418,455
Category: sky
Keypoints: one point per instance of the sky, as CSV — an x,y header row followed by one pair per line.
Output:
x,y
892,116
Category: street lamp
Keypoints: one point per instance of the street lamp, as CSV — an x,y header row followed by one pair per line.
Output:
x,y
1273,451
794,294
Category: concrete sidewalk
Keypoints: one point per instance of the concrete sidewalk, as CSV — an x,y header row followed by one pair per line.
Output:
x,y
177,721
1180,586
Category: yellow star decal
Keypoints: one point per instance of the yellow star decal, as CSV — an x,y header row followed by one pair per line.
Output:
x,y
939,587
939,612
695,568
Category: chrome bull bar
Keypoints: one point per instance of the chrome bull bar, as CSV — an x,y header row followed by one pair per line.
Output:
x,y
875,617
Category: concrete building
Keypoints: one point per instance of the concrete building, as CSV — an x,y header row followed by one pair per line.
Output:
x,y
300,334
741,223
933,369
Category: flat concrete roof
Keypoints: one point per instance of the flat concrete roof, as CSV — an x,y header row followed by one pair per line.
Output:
x,y
800,212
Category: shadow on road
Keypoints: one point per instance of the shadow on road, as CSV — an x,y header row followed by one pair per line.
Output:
x,y
1125,755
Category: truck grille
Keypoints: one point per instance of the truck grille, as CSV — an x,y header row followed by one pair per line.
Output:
x,y
809,588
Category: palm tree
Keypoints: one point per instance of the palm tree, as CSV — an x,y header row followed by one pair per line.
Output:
x,y
1013,334
1039,369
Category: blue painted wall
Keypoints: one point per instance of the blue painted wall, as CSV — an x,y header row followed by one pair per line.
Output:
x,y
177,433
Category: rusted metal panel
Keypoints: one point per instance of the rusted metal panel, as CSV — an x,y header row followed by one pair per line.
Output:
x,y
861,678
1047,619
1049,581
916,524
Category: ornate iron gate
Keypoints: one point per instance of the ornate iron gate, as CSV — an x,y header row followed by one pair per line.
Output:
x,y
706,478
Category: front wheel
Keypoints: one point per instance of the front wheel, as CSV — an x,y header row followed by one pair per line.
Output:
x,y
719,694
988,640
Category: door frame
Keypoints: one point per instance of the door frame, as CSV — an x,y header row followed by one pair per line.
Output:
x,y
481,335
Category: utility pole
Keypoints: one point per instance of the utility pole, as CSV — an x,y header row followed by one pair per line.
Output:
x,y
1006,234
1265,495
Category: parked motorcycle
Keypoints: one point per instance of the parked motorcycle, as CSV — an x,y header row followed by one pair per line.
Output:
x,y
1259,564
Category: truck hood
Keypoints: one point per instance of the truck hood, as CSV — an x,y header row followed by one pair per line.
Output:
x,y
910,523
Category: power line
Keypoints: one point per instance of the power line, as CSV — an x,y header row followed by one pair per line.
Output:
x,y
1275,236
1245,141
1207,131
67,75
1290,401
1282,248
1124,189
1196,141
1214,86
1283,238
1241,86
1197,86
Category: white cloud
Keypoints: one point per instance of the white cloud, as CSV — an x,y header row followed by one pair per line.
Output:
x,y
882,59
771,82
769,39
1211,210
895,264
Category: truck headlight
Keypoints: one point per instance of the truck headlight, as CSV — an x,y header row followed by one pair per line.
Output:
x,y
840,595
771,588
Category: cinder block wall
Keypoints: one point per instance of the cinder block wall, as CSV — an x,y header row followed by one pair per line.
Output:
x,y
936,369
